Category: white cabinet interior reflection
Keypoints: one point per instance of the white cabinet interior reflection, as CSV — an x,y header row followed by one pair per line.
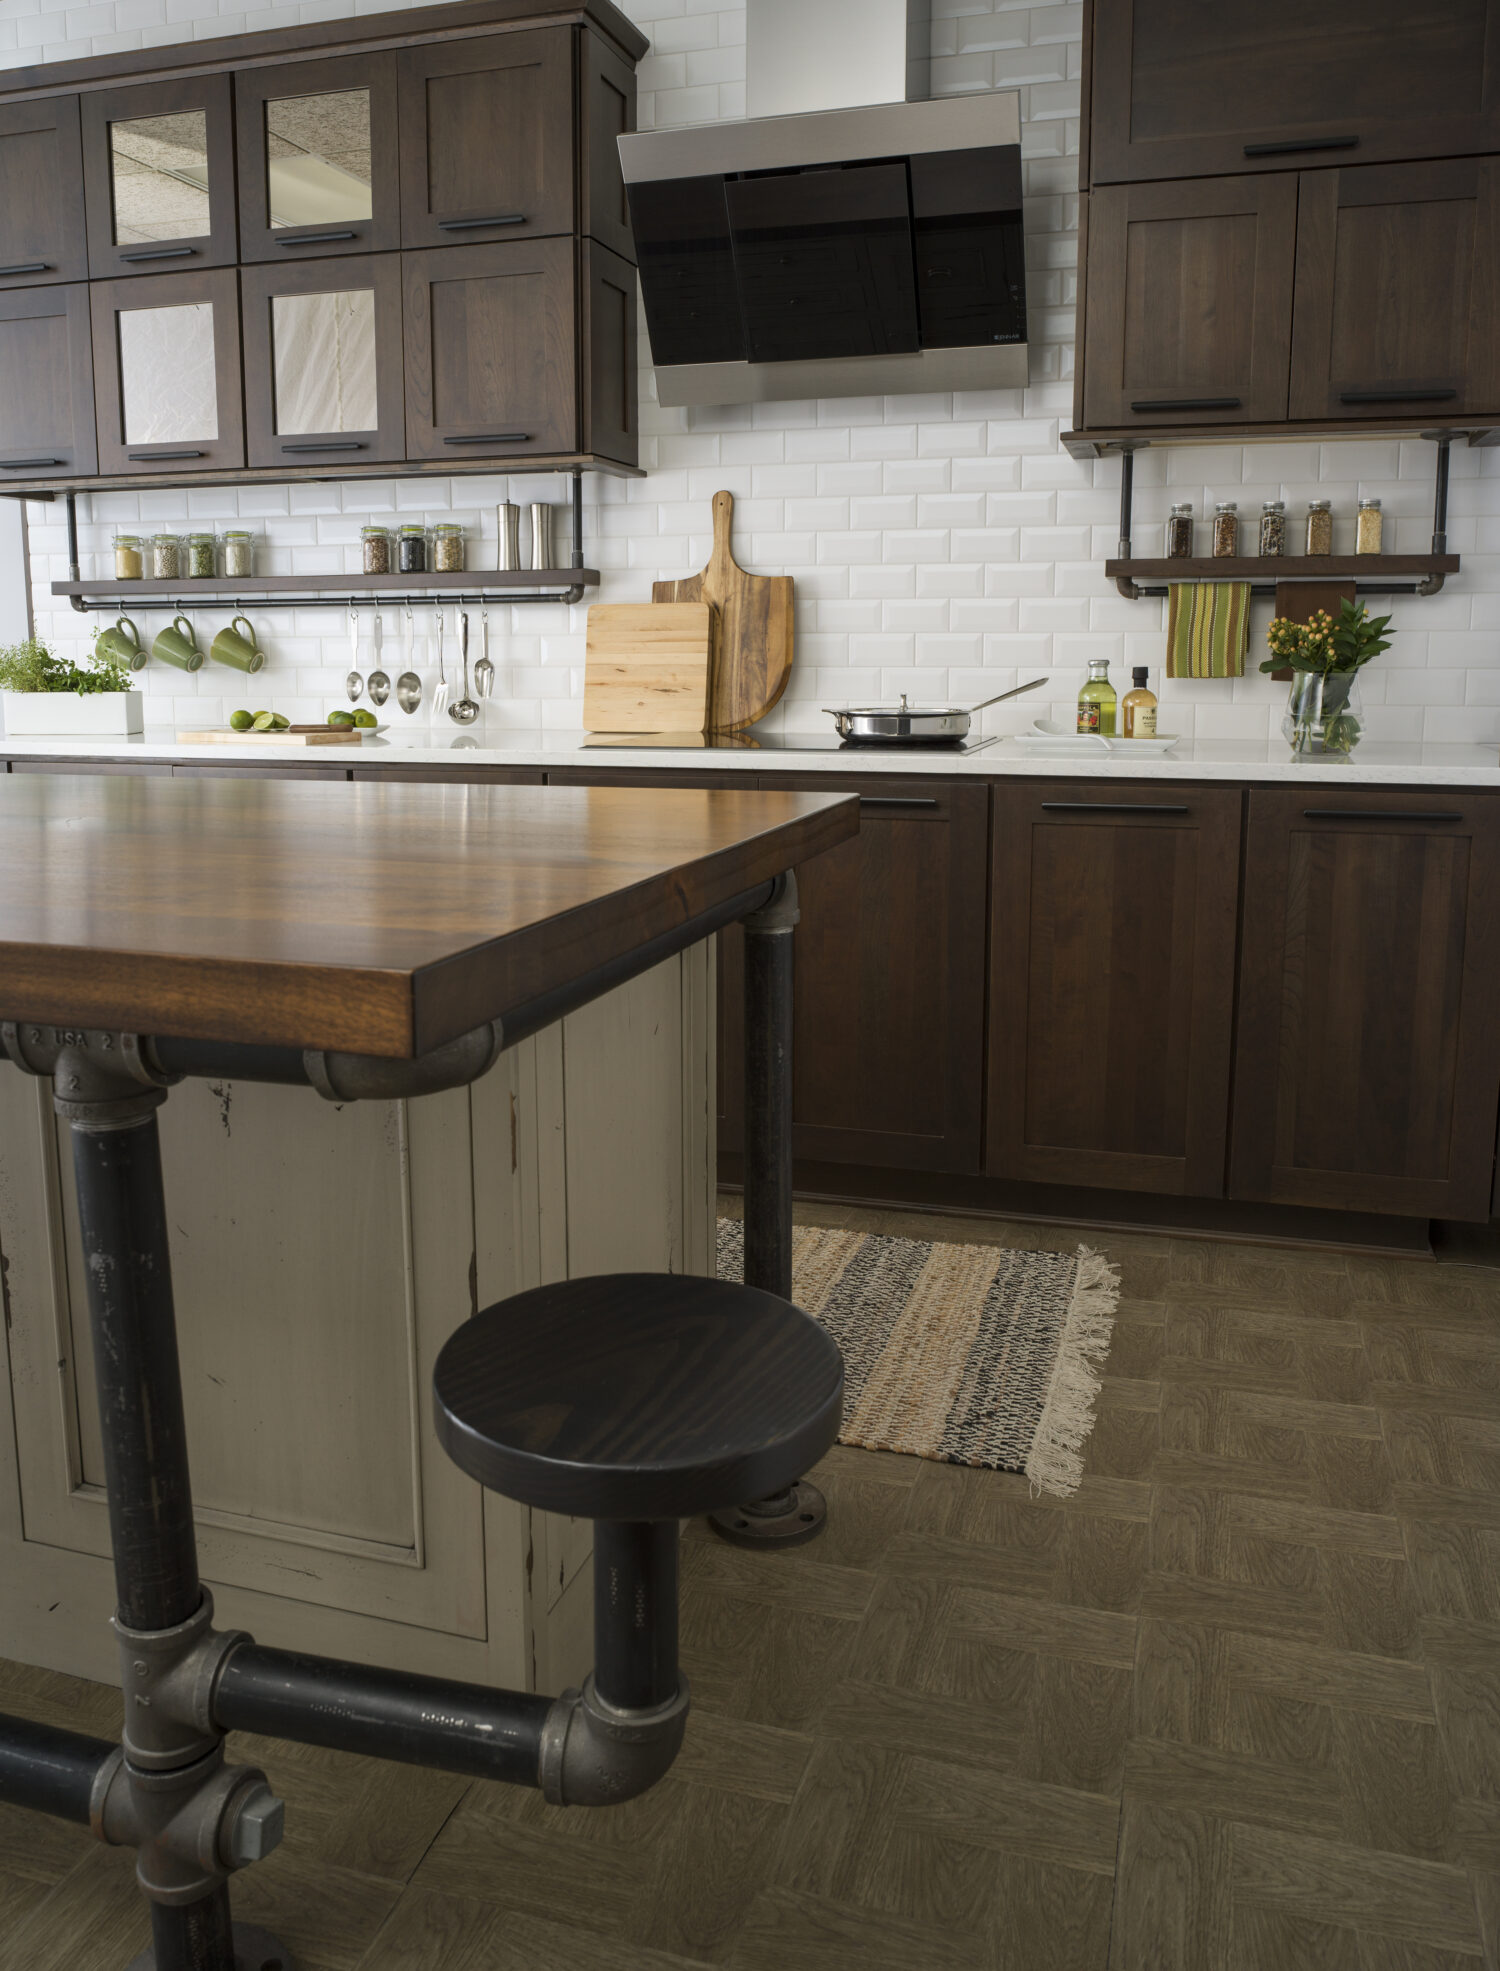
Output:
x,y
167,381
159,177
318,167
324,350
167,372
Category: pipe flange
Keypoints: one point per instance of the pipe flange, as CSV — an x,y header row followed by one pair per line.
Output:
x,y
168,1676
596,1755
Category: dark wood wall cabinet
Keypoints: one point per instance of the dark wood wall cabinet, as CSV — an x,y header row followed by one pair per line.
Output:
x,y
1289,218
435,196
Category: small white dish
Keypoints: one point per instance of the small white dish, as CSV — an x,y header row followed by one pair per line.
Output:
x,y
1048,737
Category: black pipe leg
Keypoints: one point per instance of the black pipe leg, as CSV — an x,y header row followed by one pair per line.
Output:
x,y
800,1512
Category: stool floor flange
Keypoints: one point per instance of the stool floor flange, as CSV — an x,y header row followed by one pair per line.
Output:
x,y
801,1518
254,1950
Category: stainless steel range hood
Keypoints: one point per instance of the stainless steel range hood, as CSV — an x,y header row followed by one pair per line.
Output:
x,y
839,251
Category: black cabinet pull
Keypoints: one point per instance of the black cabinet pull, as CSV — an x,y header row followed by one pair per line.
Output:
x,y
20,465
491,438
1186,404
897,801
1397,396
472,225
1301,144
333,445
1375,814
164,455
27,267
310,239
162,253
1108,807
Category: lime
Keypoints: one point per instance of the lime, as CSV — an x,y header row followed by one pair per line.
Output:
x,y
363,718
280,722
240,721
341,718
263,722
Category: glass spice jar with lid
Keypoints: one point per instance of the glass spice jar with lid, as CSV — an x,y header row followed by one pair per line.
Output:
x,y
1226,529
411,549
448,547
166,557
203,556
1319,527
128,564
375,544
1369,528
1273,527
1180,532
239,551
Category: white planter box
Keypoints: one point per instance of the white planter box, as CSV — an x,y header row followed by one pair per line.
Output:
x,y
75,712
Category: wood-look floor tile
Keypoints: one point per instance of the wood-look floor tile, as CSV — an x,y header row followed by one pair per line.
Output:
x,y
1399,1954
703,1874
432,1932
793,1932
922,1556
1181,1686
1172,1892
766,1662
1285,1730
1207,1471
326,1916
1102,1562
919,1722
1233,1786
94,1919
848,1794
1453,1569
1049,1918
1468,1709
903,1628
1190,1600
1353,1474
1357,1888
765,1763
1398,1792
1078,1721
1273,1940
1387,1687
1017,1816
1094,1635
1372,1605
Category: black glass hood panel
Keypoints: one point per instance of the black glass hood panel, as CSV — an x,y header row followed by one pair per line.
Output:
x,y
686,262
970,250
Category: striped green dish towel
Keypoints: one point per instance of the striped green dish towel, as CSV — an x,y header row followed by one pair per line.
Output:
x,y
1208,629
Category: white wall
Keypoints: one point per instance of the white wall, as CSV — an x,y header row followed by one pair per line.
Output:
x,y
942,545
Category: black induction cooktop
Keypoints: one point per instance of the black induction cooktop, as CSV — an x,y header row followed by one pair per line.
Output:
x,y
783,742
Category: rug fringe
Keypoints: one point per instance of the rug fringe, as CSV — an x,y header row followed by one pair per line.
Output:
x,y
1055,1463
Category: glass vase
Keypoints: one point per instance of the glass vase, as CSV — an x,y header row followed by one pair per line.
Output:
x,y
1324,712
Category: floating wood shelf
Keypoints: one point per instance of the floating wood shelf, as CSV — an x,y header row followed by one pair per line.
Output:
x,y
468,581
1365,568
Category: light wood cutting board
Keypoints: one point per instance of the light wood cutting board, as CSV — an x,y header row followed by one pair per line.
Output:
x,y
297,735
648,666
755,628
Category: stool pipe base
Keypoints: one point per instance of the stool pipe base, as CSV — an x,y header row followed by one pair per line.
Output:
x,y
189,1937
635,1612
50,1770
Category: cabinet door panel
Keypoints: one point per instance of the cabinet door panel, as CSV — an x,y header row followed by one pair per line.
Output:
x,y
608,114
1190,302
487,138
610,362
158,177
41,215
319,165
1398,289
46,384
167,369
1180,89
323,361
490,358
1367,1063
1112,948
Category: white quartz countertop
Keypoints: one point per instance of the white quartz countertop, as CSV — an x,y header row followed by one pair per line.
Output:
x,y
1376,763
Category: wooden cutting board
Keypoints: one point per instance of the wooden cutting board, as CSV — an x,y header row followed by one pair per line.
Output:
x,y
297,735
648,666
755,628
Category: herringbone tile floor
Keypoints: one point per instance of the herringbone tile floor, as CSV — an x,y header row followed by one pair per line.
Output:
x,y
1234,1707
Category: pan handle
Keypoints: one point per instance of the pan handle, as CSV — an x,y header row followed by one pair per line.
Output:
x,y
1014,692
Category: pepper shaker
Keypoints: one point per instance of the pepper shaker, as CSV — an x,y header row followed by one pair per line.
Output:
x,y
509,514
541,536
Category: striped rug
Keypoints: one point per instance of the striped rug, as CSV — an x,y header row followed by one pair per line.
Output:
x,y
971,1355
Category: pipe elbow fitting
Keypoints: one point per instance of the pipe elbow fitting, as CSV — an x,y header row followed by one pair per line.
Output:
x,y
596,1756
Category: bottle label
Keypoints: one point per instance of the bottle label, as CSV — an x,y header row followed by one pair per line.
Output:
x,y
1088,717
1145,722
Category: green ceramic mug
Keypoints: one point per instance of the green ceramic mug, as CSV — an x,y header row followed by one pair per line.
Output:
x,y
176,645
120,643
240,653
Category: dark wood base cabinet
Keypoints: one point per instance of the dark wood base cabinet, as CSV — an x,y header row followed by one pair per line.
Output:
x,y
1112,952
1367,1060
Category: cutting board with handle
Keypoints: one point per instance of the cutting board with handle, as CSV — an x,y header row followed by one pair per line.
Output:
x,y
755,628
648,666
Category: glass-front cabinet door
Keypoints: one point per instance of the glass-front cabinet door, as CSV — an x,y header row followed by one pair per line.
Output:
x,y
318,158
46,393
323,379
158,176
167,373
41,214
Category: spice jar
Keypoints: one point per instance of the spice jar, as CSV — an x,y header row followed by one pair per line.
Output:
x,y
376,542
128,562
1319,527
1226,528
239,551
447,547
1370,528
1180,533
166,557
1273,527
203,551
411,549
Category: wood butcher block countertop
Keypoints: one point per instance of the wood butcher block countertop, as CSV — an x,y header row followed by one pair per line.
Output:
x,y
370,918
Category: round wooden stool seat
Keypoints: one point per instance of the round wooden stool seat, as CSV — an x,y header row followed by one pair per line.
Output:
x,y
638,1396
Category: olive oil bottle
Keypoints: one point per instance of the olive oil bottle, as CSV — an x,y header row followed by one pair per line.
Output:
x,y
1097,701
1138,708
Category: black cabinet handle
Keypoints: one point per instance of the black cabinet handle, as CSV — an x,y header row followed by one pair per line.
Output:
x,y
1108,807
333,445
1397,396
473,225
164,455
491,438
20,465
162,253
27,267
1375,814
1303,144
1186,404
310,239
897,801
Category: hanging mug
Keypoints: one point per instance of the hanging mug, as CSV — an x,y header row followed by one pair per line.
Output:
x,y
240,653
120,643
176,645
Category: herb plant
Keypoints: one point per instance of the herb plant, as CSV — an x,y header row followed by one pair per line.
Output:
x,y
31,666
1325,656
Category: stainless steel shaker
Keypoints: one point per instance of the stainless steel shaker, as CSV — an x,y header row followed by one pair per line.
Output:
x,y
541,536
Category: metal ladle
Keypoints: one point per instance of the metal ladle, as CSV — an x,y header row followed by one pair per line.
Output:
x,y
379,684
484,670
465,711
354,684
408,685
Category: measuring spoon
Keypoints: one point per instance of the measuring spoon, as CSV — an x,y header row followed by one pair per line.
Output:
x,y
354,684
408,685
465,711
379,683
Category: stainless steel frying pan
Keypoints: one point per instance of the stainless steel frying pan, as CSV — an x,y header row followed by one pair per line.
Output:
x,y
902,724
